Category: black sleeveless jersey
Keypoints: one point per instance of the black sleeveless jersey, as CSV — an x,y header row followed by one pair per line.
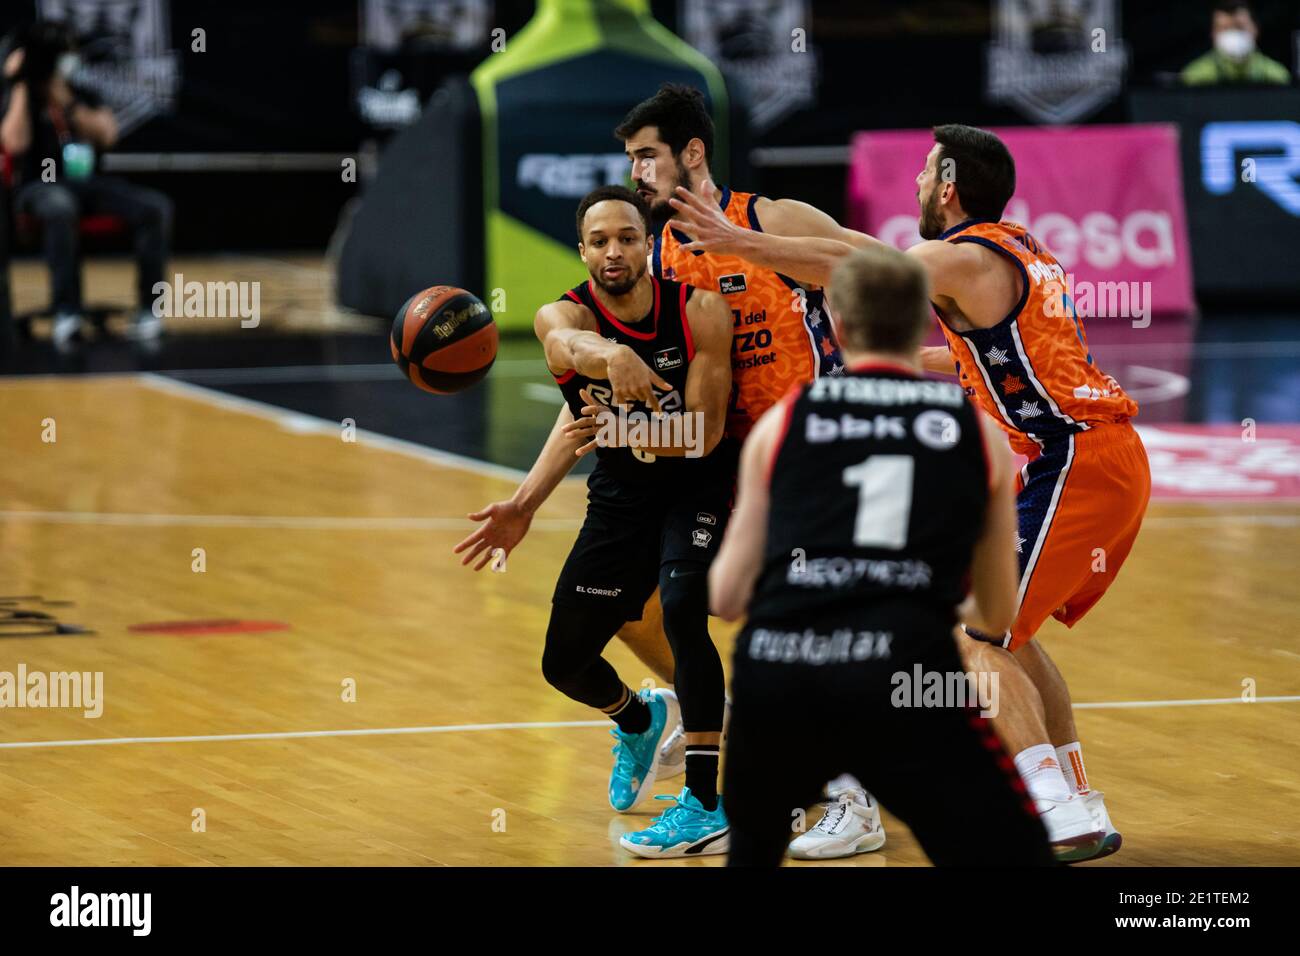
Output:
x,y
878,494
663,341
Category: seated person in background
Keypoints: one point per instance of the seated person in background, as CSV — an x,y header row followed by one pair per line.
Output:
x,y
1234,58
52,133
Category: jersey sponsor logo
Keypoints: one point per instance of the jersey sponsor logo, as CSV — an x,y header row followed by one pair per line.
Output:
x,y
848,427
842,572
701,538
767,358
809,647
936,429
728,285
599,592
669,402
668,358
705,518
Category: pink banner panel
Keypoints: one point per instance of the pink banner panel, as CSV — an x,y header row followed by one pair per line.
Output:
x,y
1106,200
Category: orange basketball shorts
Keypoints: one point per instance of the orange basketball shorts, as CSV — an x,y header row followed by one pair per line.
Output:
x,y
1079,501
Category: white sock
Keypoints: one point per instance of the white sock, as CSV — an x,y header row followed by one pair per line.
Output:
x,y
1041,772
1071,759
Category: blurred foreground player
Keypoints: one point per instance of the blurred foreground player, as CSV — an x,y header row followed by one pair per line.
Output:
x,y
657,507
866,502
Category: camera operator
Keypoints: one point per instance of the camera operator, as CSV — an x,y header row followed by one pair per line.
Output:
x,y
52,131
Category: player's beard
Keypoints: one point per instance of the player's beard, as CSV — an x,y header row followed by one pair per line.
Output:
x,y
660,211
624,285
930,224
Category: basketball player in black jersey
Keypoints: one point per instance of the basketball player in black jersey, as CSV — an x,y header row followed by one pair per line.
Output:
x,y
645,368
868,505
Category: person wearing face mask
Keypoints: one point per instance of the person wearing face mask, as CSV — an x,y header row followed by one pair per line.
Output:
x,y
1234,58
53,130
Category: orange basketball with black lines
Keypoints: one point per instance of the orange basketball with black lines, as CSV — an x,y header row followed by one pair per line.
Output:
x,y
444,339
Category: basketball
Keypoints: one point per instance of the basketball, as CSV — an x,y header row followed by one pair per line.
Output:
x,y
444,339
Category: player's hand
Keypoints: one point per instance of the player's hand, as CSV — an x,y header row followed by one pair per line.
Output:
x,y
60,93
14,63
586,427
632,380
700,218
504,526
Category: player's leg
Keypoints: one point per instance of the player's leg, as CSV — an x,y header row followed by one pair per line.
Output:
x,y
910,758
770,727
647,640
1088,545
1048,503
572,664
850,823
606,579
698,821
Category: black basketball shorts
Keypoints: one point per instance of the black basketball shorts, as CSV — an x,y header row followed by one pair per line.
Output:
x,y
631,531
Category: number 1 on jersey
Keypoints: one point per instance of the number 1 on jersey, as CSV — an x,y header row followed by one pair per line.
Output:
x,y
884,484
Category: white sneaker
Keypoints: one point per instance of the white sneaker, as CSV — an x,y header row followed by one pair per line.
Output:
x,y
672,756
1070,825
65,328
850,825
144,327
1111,839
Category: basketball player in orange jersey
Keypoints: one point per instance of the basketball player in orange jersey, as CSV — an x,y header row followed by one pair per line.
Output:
x,y
1021,353
781,337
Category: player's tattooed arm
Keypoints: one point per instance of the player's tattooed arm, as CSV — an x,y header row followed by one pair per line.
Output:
x,y
570,342
740,558
504,523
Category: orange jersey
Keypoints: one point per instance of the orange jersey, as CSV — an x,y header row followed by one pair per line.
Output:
x,y
781,330
1033,371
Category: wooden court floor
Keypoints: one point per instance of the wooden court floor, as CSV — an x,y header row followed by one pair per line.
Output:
x,y
454,750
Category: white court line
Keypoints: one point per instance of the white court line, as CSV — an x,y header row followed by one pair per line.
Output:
x,y
1114,704
305,522
302,422
297,734
521,725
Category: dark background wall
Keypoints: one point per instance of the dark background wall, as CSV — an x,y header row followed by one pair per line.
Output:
x,y
277,78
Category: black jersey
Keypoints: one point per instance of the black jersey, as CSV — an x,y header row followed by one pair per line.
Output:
x,y
878,494
663,341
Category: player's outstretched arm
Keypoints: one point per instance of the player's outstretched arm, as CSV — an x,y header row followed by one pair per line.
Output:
x,y
995,573
506,522
740,558
569,343
801,242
